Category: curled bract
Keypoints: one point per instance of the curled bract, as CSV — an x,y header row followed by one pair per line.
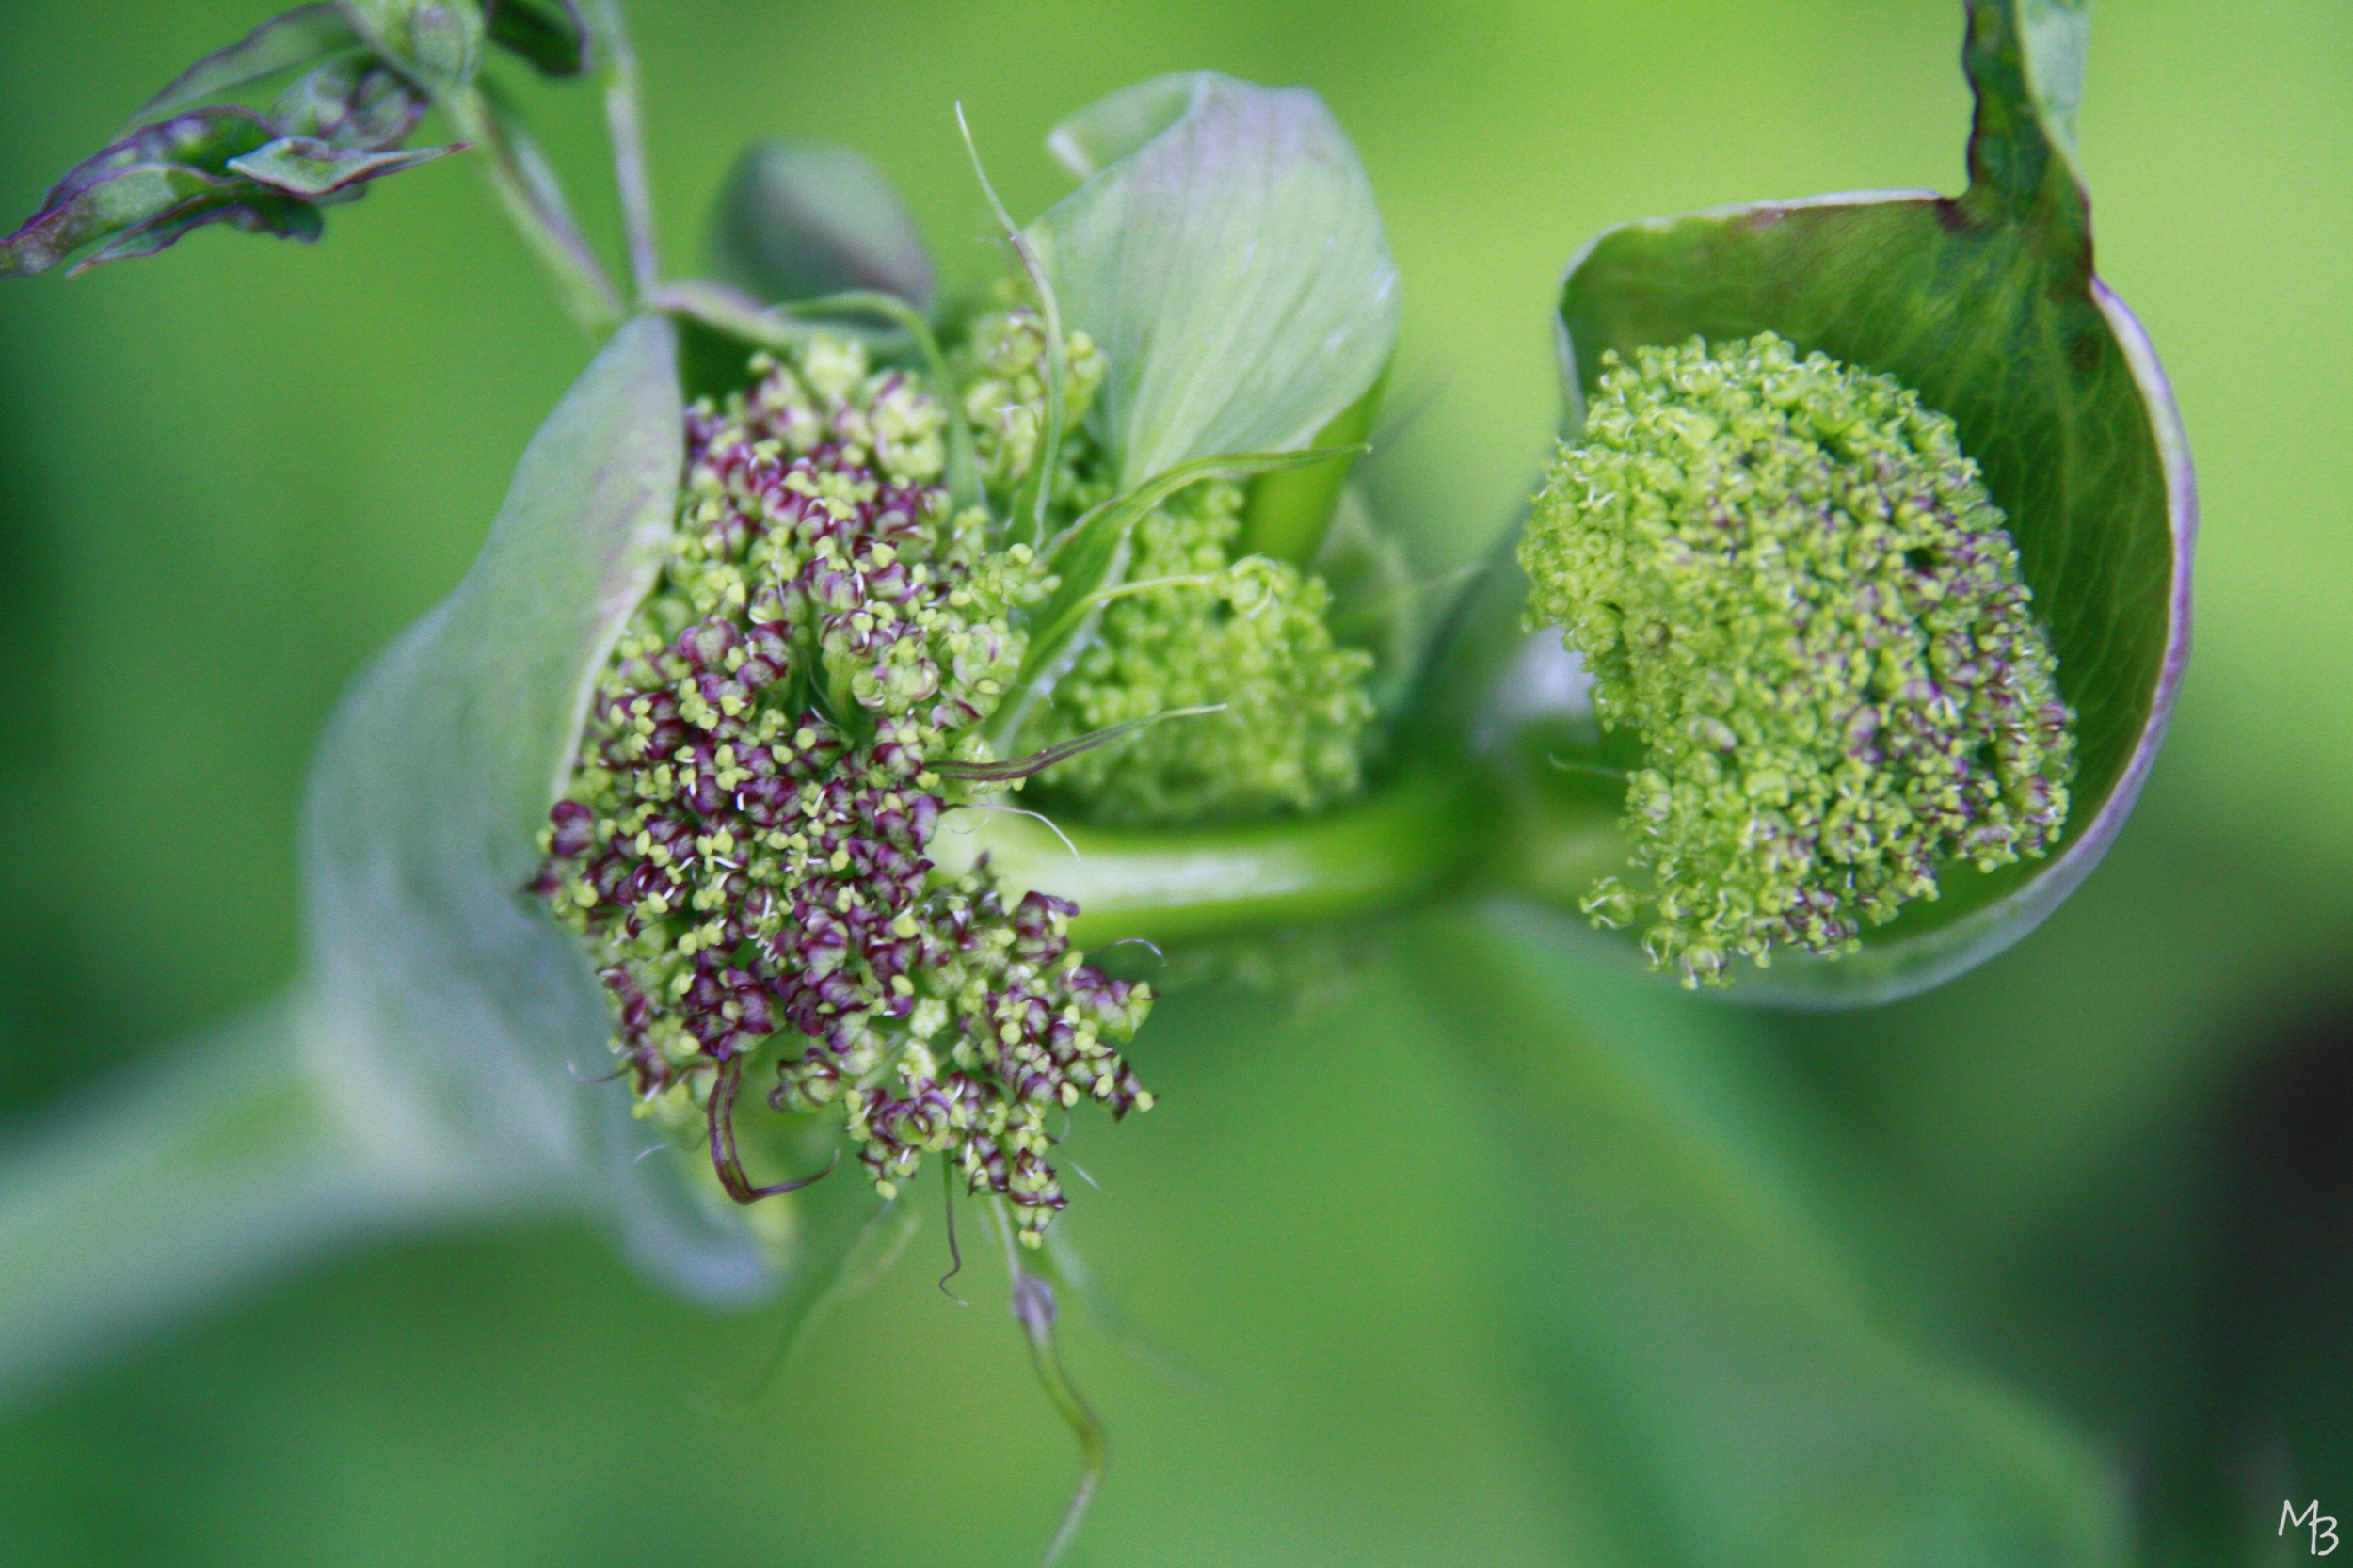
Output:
x,y
758,654
1227,254
1986,306
456,1022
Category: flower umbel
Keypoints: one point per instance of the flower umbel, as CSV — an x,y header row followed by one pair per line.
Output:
x,y
744,842
1787,578
1194,623
1201,626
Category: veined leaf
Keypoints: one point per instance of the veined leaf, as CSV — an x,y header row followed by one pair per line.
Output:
x,y
1226,256
442,996
1986,306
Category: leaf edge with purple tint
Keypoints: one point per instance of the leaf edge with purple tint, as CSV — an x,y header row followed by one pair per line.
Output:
x,y
457,1018
304,36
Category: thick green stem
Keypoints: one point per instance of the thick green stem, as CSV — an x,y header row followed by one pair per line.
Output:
x,y
176,1185
1404,838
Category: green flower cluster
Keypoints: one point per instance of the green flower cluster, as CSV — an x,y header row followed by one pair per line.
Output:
x,y
1787,578
767,760
1246,632
1000,369
1193,624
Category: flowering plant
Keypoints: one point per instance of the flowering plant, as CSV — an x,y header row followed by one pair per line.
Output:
x,y
809,570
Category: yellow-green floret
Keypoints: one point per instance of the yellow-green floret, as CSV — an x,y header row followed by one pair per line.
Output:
x,y
1788,579
1249,632
1193,623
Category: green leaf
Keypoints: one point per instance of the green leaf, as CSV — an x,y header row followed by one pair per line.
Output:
x,y
551,33
282,216
300,37
1986,306
201,139
306,167
436,43
351,104
159,175
450,1004
799,220
124,201
1115,127
1288,514
222,165
1226,255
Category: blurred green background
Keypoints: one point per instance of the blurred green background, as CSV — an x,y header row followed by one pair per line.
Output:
x,y
1480,1255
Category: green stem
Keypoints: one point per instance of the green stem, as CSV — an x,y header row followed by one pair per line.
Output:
x,y
1493,703
1402,839
625,125
1035,1310
527,194
175,1185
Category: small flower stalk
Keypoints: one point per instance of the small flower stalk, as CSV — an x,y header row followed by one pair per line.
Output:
x,y
1786,578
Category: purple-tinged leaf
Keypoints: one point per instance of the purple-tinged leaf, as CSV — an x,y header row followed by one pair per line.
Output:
x,y
118,201
351,102
300,37
156,185
252,212
204,140
306,167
